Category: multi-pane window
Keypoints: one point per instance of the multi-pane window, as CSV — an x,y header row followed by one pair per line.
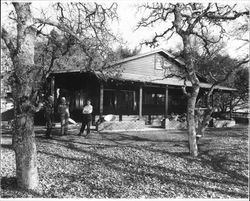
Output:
x,y
119,101
151,98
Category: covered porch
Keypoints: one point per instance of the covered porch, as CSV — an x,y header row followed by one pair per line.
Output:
x,y
128,99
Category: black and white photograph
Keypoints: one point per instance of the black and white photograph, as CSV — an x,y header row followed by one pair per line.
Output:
x,y
125,100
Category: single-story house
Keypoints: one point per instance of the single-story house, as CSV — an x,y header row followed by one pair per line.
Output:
x,y
143,91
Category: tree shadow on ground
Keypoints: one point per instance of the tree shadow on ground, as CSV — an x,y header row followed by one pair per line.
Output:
x,y
217,162
131,169
10,184
227,132
119,137
220,163
111,163
214,161
168,175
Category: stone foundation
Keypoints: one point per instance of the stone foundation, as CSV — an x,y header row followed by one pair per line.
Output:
x,y
173,124
121,125
131,122
223,123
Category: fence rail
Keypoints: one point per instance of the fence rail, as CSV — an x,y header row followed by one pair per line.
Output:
x,y
241,115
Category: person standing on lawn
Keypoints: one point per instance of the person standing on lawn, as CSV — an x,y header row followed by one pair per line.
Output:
x,y
49,115
87,117
63,110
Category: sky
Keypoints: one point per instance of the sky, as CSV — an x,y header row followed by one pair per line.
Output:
x,y
127,23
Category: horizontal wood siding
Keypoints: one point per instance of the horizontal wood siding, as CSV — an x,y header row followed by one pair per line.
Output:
x,y
149,66
140,66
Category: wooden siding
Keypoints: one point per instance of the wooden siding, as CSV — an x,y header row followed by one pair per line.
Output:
x,y
150,65
140,66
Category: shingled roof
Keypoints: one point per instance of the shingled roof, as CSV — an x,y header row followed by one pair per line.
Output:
x,y
174,81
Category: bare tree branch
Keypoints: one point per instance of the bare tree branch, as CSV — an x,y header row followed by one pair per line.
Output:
x,y
226,16
8,41
244,61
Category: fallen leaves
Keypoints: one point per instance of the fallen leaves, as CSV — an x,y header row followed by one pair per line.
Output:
x,y
136,165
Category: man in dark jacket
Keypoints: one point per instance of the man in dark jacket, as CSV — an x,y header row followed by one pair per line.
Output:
x,y
49,115
63,111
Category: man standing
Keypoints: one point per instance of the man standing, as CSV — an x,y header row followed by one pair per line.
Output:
x,y
87,117
63,111
49,115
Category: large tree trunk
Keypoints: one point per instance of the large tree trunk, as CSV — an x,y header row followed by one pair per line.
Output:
x,y
25,152
192,97
22,88
191,122
205,118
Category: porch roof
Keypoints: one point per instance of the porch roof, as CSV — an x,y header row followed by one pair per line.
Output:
x,y
172,81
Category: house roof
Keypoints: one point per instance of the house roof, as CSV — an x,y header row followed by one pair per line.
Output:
x,y
174,81
162,51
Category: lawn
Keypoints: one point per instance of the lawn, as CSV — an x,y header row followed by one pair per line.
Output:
x,y
149,164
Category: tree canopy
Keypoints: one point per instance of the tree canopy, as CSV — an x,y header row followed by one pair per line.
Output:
x,y
77,27
202,23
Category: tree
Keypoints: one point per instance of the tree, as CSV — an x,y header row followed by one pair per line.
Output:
x,y
82,23
241,83
6,66
217,69
215,66
190,22
125,52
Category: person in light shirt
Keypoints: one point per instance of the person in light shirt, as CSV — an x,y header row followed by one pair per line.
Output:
x,y
87,117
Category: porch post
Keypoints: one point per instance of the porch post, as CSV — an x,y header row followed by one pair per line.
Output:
x,y
101,99
166,101
52,86
231,109
140,102
53,91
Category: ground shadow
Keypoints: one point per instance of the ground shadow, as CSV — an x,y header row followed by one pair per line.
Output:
x,y
163,174
10,184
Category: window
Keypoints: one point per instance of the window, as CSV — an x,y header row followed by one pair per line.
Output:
x,y
122,101
151,98
162,63
160,99
159,62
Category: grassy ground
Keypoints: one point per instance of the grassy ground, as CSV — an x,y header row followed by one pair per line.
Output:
x,y
152,164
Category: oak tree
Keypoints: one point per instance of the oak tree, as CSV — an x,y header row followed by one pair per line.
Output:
x,y
83,23
190,22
